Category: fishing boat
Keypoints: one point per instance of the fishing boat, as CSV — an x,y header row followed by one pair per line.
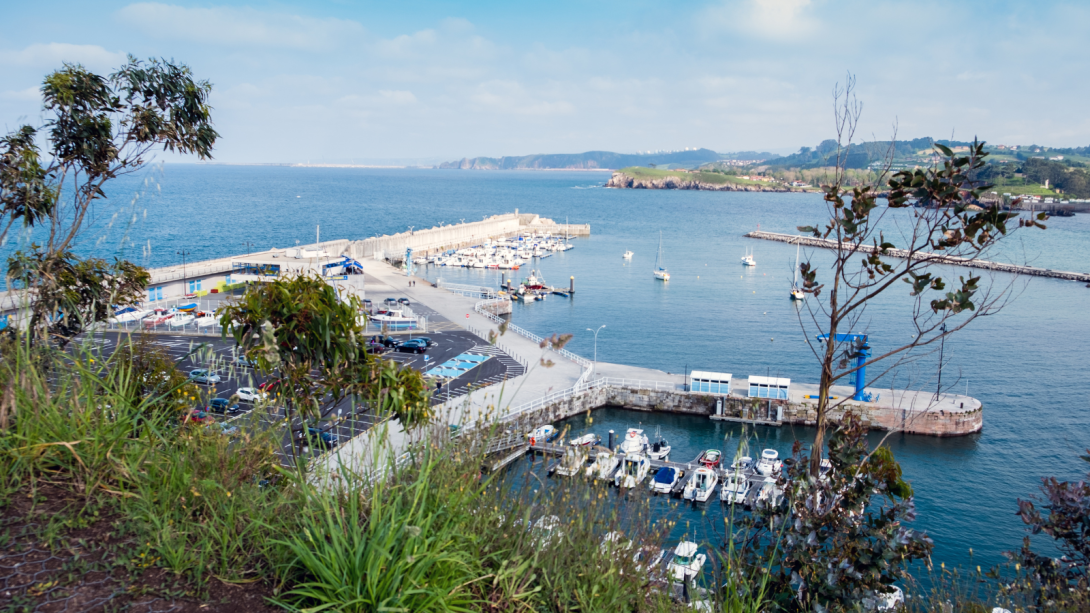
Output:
x,y
769,463
701,485
710,458
687,563
735,489
660,264
605,464
634,441
660,450
543,434
633,470
181,319
747,259
587,440
665,480
575,458
796,291
206,319
769,494
627,255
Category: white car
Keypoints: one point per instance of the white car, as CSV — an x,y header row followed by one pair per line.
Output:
x,y
205,376
250,394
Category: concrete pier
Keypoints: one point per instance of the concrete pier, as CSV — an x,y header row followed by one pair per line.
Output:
x,y
936,258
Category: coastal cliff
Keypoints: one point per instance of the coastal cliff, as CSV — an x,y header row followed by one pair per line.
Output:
x,y
622,180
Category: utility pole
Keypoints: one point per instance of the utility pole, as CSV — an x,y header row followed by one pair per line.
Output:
x,y
183,253
942,347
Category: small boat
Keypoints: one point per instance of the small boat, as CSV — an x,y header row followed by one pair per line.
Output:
x,y
735,489
394,319
605,464
187,308
634,441
156,319
769,462
747,259
575,458
769,494
633,470
796,291
660,450
560,292
710,458
687,563
627,255
207,319
666,479
587,440
181,319
742,464
129,314
543,434
701,485
660,264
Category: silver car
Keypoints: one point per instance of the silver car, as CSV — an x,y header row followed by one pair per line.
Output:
x,y
202,375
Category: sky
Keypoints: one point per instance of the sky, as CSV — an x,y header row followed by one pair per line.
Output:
x,y
353,81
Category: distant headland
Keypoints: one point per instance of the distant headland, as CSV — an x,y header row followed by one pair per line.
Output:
x,y
637,177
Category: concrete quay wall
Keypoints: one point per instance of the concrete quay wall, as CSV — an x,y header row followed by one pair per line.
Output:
x,y
930,422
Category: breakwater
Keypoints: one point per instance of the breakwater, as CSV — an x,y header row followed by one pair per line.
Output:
x,y
934,258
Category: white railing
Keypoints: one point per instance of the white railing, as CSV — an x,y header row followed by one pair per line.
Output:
x,y
472,291
480,308
641,384
545,401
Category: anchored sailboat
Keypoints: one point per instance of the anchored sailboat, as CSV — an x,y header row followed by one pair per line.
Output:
x,y
660,264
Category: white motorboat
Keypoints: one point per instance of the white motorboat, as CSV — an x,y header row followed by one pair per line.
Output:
x,y
747,259
660,450
635,441
648,559
890,601
575,458
542,434
633,470
769,463
207,319
660,264
769,494
666,479
701,485
735,488
796,291
605,464
181,319
129,314
741,464
394,320
687,563
587,440
627,255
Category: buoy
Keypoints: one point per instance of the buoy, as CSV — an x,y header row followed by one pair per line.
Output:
x,y
533,442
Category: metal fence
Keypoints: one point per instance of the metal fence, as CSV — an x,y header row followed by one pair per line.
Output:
x,y
480,308
471,291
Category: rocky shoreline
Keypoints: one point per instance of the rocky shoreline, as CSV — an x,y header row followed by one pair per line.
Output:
x,y
623,181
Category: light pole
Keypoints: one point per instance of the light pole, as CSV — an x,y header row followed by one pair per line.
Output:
x,y
942,347
183,253
596,341
248,245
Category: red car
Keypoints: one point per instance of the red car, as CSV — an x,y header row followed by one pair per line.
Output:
x,y
196,416
269,386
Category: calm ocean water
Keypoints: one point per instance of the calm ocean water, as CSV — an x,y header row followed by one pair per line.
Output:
x,y
1028,364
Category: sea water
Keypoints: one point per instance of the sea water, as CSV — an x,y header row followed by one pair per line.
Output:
x,y
1027,364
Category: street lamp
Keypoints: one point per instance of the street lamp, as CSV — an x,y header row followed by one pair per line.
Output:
x,y
183,253
248,245
596,341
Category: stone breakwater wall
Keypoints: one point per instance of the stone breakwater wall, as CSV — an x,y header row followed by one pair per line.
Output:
x,y
620,180
936,258
930,422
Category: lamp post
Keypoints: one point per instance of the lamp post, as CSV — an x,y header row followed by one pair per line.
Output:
x,y
596,341
942,347
248,246
183,253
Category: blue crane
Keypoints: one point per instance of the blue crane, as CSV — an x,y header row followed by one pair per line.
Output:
x,y
861,352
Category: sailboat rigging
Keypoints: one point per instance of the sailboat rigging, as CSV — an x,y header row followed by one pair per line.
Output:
x,y
660,263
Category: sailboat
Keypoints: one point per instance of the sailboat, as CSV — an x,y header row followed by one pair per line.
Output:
x,y
796,291
660,264
747,259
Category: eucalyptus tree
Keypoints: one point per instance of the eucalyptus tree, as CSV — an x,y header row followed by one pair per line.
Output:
x,y
300,330
944,220
97,129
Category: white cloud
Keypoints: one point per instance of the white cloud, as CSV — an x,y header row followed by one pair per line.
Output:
x,y
511,97
240,27
24,95
53,55
782,21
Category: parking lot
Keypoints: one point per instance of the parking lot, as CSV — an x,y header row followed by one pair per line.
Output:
x,y
457,359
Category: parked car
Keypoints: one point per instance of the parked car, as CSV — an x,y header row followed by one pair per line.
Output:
x,y
223,406
197,416
224,429
427,340
245,361
202,375
389,341
377,349
319,438
390,302
269,386
404,301
415,345
250,394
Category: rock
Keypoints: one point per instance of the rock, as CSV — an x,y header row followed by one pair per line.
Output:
x,y
623,181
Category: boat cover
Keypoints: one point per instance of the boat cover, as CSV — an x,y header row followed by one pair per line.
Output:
x,y
665,475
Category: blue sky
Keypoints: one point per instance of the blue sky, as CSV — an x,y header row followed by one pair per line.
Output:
x,y
423,81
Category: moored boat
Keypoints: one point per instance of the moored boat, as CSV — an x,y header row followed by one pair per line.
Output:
x,y
710,458
633,470
701,485
635,441
665,480
687,563
735,489
769,463
587,440
660,450
605,464
574,460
